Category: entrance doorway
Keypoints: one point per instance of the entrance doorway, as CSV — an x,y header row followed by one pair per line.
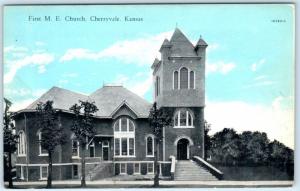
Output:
x,y
183,149
105,150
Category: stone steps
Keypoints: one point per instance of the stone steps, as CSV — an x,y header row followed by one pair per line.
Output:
x,y
189,170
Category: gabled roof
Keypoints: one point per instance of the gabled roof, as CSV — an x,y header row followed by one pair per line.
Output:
x,y
181,46
107,99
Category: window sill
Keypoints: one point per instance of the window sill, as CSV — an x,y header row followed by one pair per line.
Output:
x,y
21,155
183,127
124,156
43,155
76,157
43,179
149,155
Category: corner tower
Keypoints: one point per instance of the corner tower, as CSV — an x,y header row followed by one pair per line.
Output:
x,y
179,81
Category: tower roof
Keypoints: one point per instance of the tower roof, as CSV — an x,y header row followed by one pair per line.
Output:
x,y
165,44
201,42
181,46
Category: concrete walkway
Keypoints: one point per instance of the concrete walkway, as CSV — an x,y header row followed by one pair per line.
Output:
x,y
163,183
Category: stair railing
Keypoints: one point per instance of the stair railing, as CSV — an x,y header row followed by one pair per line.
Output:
x,y
217,173
173,163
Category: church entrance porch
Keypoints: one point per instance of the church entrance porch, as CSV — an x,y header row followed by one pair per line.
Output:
x,y
183,149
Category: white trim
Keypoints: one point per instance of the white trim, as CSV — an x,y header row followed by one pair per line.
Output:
x,y
164,143
187,114
21,144
123,103
78,163
139,172
125,164
41,173
152,163
191,143
124,156
146,139
22,172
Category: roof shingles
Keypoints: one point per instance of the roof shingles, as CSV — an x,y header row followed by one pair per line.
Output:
x,y
107,99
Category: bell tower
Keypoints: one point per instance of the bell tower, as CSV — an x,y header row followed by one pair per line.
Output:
x,y
179,81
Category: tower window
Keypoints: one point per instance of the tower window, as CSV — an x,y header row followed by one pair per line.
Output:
x,y
157,86
175,80
192,80
183,119
184,78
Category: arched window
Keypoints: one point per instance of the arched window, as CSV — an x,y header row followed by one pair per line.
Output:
x,y
183,119
124,137
149,146
184,78
42,151
175,80
21,144
192,80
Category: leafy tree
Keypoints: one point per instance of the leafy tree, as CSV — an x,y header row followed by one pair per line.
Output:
x,y
83,129
280,154
51,131
255,147
225,146
158,118
207,139
9,137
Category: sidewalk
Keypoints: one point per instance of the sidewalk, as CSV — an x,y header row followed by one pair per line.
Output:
x,y
163,183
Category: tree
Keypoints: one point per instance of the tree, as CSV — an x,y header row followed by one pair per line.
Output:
x,y
255,147
225,146
207,139
158,118
10,138
51,131
83,129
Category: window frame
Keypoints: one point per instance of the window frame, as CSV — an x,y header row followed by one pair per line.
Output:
x,y
134,168
188,115
41,173
75,176
75,156
148,164
152,137
92,146
179,78
21,144
125,164
40,145
121,135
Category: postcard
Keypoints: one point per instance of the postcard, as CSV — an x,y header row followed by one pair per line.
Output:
x,y
149,95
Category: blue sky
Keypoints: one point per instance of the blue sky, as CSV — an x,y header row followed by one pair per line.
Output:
x,y
250,59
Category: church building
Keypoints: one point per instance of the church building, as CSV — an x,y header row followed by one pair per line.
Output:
x,y
124,141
